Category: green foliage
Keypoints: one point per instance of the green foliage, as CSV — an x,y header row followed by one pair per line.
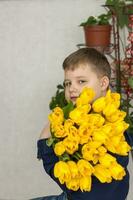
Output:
x,y
118,7
64,157
102,19
67,109
58,99
50,141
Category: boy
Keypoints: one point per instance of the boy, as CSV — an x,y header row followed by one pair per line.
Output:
x,y
85,68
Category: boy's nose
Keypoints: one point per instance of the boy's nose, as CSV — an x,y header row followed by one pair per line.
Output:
x,y
72,88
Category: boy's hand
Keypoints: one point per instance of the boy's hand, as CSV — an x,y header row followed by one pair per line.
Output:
x,y
45,132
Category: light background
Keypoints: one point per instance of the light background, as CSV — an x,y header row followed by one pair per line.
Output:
x,y
35,37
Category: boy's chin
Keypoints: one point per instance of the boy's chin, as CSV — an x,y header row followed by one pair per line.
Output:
x,y
73,100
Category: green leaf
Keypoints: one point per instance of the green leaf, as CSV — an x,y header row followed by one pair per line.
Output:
x,y
65,157
118,6
50,141
60,87
102,19
69,107
58,99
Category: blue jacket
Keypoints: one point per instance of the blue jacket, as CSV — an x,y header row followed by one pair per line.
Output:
x,y
116,190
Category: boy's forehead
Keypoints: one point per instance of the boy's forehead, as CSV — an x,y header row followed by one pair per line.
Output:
x,y
80,71
79,66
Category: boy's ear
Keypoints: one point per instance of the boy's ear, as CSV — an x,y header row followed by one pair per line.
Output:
x,y
104,83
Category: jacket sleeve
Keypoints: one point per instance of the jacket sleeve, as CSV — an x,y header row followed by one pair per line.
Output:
x,y
48,157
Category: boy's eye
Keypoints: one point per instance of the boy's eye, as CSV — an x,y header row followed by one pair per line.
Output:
x,y
67,84
82,81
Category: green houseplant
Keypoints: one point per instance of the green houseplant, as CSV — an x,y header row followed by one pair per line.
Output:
x,y
97,30
121,9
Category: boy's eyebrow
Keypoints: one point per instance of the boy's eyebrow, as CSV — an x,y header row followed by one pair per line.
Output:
x,y
78,77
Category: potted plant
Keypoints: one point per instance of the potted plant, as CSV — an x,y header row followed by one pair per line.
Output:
x,y
97,30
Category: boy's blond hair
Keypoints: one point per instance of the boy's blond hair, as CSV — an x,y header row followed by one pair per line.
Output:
x,y
98,62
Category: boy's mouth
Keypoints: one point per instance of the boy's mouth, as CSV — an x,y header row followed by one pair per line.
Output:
x,y
73,98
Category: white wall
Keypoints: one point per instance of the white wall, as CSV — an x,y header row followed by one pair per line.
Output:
x,y
35,37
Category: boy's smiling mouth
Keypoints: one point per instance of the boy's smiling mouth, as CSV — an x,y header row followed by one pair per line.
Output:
x,y
73,98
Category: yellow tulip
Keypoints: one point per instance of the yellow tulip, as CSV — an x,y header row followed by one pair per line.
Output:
x,y
62,171
53,125
95,159
102,173
118,145
73,184
113,98
89,155
115,140
85,168
90,152
77,114
117,116
107,160
73,134
107,129
85,183
110,147
101,150
85,108
99,105
117,171
70,145
84,133
80,102
96,120
120,127
59,131
67,124
93,144
110,109
73,169
123,148
99,135
84,120
56,115
86,97
59,148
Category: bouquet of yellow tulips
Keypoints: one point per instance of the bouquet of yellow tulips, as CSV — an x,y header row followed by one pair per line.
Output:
x,y
85,136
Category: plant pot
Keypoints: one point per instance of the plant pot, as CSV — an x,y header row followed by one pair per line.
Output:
x,y
97,35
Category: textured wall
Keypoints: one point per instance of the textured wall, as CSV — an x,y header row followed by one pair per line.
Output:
x,y
35,37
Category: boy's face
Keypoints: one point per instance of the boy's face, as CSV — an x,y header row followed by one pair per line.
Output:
x,y
75,80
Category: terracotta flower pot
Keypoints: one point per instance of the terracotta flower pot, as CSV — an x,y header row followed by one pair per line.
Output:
x,y
97,35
